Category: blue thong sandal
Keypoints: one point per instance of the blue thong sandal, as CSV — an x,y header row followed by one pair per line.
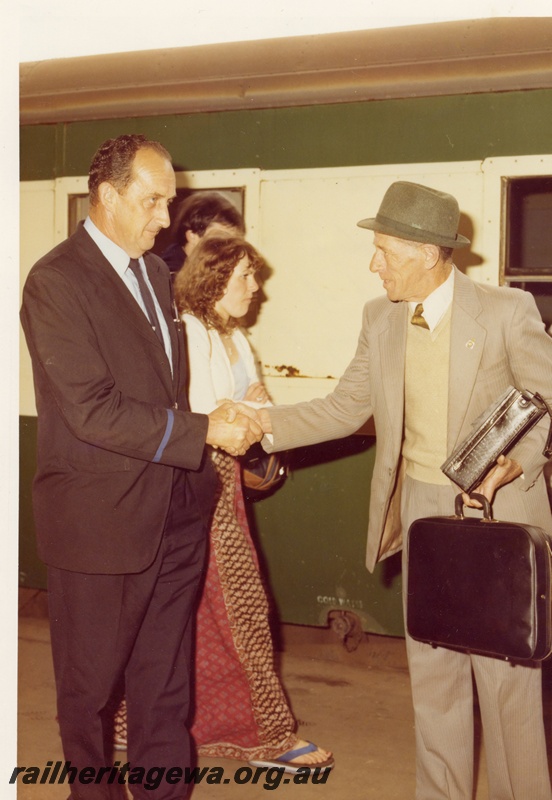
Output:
x,y
283,762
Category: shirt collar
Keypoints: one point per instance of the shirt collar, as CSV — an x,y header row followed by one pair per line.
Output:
x,y
437,303
111,251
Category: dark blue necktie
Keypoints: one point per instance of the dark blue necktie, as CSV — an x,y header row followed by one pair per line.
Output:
x,y
147,298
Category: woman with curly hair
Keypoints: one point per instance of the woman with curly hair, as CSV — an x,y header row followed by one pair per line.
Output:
x,y
240,707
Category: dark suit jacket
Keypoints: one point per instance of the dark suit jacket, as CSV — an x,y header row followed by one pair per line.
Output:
x,y
113,423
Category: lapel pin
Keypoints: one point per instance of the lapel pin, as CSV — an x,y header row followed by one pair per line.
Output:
x,y
470,344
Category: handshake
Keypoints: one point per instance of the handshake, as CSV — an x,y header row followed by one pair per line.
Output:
x,y
234,427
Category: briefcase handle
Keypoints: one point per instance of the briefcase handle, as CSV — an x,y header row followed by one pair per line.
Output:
x,y
487,509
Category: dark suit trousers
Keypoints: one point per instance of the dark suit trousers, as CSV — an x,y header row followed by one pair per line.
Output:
x,y
136,630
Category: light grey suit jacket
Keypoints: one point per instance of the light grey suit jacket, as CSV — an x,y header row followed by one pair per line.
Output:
x,y
497,339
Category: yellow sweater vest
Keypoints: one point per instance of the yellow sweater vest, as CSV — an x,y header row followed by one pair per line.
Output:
x,y
426,401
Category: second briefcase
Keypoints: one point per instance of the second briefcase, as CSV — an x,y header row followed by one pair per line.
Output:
x,y
480,585
496,431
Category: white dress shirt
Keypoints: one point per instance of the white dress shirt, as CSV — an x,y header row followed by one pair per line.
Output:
x,y
119,260
436,304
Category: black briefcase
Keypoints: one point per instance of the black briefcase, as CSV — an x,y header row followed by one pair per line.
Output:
x,y
480,585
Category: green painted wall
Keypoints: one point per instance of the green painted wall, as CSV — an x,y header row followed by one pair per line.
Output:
x,y
312,531
32,571
455,128
313,536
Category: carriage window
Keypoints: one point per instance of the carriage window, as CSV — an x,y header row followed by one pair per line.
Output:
x,y
528,238
78,209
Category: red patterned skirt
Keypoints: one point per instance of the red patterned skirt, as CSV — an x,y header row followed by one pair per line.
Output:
x,y
240,707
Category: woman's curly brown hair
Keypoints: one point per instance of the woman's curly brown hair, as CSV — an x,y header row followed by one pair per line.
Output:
x,y
205,275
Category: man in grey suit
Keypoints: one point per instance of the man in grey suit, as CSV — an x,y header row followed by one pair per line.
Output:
x,y
425,383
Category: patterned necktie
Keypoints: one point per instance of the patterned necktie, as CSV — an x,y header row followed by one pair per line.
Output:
x,y
418,317
147,298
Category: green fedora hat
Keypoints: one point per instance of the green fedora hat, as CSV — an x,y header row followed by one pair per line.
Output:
x,y
418,213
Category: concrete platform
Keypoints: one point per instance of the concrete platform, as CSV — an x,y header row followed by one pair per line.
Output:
x,y
357,704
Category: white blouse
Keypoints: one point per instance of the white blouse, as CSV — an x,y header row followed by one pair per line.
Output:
x,y
211,375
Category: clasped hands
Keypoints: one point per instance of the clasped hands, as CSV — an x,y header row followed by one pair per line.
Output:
x,y
234,427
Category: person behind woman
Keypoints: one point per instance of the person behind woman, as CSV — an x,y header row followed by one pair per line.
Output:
x,y
200,214
240,707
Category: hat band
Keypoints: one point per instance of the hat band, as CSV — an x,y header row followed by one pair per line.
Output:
x,y
408,229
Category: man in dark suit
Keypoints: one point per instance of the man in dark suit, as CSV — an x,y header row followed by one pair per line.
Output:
x,y
123,491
